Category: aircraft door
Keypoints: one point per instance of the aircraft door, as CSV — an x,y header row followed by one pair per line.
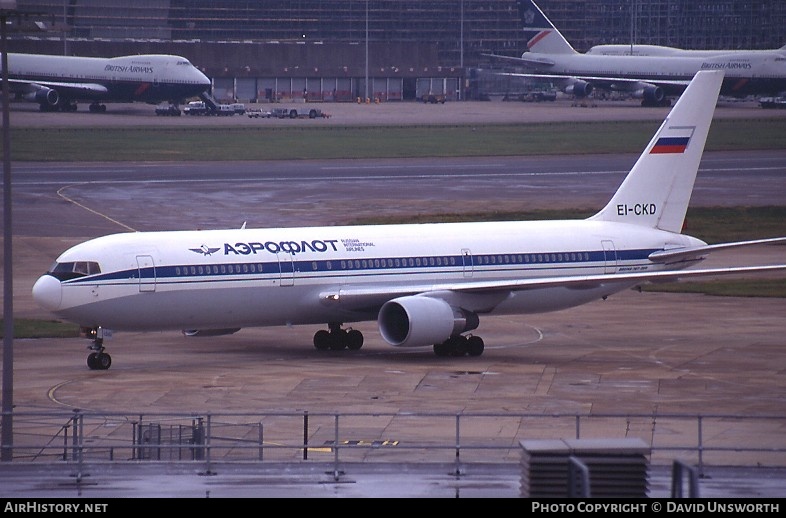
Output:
x,y
610,256
466,257
286,265
147,273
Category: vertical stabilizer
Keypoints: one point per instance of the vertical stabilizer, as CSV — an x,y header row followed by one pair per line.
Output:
x,y
541,35
657,190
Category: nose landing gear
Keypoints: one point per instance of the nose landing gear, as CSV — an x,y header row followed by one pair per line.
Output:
x,y
98,359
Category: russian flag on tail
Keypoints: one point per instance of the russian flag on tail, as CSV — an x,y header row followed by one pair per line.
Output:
x,y
673,140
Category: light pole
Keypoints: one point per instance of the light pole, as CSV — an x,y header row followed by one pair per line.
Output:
x,y
461,52
7,435
366,82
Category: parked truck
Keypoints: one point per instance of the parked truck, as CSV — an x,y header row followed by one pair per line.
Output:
x,y
294,113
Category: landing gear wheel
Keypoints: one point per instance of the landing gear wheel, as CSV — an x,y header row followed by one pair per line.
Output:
x,y
354,340
322,340
475,346
458,346
338,339
104,361
442,349
99,361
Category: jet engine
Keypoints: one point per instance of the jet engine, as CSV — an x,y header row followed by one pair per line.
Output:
x,y
417,321
43,96
650,94
579,88
210,332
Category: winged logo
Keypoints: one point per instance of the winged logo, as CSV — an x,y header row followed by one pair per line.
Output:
x,y
205,250
529,17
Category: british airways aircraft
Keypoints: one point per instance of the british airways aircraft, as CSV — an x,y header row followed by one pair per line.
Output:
x,y
58,82
424,284
653,74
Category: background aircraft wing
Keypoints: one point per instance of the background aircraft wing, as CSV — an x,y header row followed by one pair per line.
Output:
x,y
523,61
70,90
617,84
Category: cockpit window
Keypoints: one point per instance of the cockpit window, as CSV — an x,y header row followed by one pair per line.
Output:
x,y
65,271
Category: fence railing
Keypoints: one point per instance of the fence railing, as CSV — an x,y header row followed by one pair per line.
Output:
x,y
460,439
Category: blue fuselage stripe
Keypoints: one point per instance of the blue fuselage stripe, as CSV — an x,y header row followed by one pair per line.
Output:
x,y
361,267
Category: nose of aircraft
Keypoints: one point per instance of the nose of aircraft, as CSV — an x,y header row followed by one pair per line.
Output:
x,y
47,292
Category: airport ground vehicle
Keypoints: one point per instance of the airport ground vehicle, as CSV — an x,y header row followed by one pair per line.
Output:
x,y
195,108
532,97
294,113
258,114
168,110
433,98
224,110
202,108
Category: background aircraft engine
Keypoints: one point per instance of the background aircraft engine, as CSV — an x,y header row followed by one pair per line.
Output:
x,y
652,94
45,96
418,321
579,89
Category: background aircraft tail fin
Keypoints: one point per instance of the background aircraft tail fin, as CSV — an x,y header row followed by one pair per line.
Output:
x,y
540,33
657,190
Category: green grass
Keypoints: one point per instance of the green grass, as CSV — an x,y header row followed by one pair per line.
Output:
x,y
260,143
33,328
729,288
711,224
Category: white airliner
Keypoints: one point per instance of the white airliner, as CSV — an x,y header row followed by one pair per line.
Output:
x,y
58,82
654,74
425,284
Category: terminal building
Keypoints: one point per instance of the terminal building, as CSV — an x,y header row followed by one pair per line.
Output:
x,y
387,50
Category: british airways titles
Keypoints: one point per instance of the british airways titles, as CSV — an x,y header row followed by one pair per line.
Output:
x,y
134,69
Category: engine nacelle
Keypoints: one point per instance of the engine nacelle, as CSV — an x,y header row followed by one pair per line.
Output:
x,y
417,321
44,96
210,332
579,89
650,94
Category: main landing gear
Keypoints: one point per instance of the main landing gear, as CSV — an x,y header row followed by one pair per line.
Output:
x,y
98,359
460,346
338,339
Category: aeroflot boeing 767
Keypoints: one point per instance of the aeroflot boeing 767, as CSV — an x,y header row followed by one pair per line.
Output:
x,y
424,284
58,82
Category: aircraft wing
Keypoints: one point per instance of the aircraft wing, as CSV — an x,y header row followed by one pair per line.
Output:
x,y
681,254
67,89
365,297
522,61
617,84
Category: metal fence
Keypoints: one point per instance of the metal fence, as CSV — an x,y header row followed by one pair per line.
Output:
x,y
462,439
